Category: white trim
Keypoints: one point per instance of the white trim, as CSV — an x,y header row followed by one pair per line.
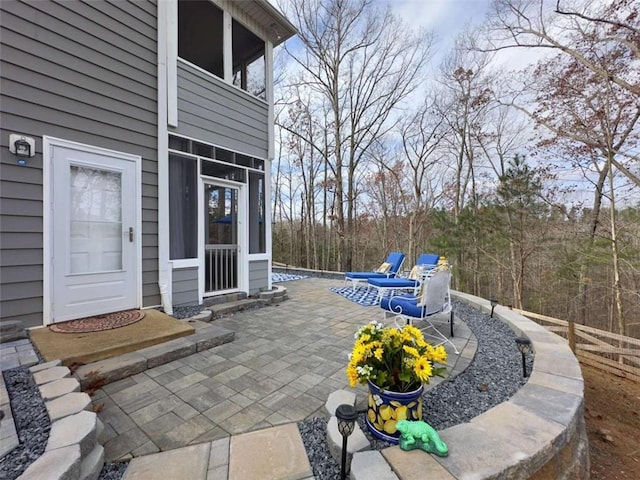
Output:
x,y
48,143
172,61
201,253
221,80
227,46
258,257
243,247
204,142
243,238
185,263
217,293
268,78
47,234
164,267
270,154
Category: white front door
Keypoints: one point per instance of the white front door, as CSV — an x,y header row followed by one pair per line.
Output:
x,y
94,222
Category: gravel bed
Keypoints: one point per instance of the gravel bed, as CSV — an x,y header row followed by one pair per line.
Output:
x,y
33,427
186,311
31,419
492,378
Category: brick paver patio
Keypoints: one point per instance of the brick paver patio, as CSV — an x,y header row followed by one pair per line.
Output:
x,y
285,360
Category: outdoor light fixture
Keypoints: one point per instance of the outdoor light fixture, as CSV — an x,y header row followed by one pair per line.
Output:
x,y
276,31
494,302
524,345
22,147
346,415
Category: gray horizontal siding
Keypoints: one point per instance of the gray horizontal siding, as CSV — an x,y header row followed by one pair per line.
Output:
x,y
85,72
185,286
258,276
213,111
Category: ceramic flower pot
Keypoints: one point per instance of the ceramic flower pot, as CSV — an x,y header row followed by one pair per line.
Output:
x,y
386,408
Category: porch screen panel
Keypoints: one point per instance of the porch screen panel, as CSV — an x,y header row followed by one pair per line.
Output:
x,y
95,234
257,237
183,208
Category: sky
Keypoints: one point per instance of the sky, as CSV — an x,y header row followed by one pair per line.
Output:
x,y
448,18
445,17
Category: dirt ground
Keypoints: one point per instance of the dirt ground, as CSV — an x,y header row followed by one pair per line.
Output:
x,y
612,415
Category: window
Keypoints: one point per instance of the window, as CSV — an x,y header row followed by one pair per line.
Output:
x,y
248,61
183,208
221,170
200,35
257,235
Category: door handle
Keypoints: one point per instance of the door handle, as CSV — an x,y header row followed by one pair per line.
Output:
x,y
131,234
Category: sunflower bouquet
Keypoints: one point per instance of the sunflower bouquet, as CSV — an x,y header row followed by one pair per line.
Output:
x,y
394,359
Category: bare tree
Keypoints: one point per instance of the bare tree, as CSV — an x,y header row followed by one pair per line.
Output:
x,y
352,59
421,133
590,34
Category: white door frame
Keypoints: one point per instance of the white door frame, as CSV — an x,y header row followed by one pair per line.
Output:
x,y
243,274
48,143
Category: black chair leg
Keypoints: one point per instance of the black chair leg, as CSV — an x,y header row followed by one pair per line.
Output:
x,y
451,323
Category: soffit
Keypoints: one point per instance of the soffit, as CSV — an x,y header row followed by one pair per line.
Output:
x,y
271,21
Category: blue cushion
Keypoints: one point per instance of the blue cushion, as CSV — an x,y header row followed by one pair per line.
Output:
x,y
394,258
365,275
428,259
393,282
404,304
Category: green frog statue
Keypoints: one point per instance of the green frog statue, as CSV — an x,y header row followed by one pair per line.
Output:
x,y
419,434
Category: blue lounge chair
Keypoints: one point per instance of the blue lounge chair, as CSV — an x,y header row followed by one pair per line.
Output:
x,y
388,269
425,263
434,299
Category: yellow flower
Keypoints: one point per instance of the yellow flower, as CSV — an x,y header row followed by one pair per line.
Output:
x,y
422,369
358,354
411,351
413,331
352,375
379,353
437,354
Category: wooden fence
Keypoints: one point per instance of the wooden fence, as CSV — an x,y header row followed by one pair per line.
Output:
x,y
607,351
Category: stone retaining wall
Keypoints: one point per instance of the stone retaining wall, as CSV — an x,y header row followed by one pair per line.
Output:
x,y
74,450
538,434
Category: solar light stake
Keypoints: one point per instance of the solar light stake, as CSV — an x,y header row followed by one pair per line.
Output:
x,y
346,415
524,345
494,302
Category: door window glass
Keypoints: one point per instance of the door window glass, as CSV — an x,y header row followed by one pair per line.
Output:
x,y
95,243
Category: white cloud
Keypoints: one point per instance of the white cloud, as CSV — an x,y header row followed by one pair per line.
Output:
x,y
445,17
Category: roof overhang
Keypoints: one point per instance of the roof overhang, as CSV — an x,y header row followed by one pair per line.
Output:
x,y
270,19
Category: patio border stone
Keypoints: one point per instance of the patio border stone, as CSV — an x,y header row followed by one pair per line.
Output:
x,y
538,434
73,451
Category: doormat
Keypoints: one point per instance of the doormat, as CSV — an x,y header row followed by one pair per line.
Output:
x,y
99,323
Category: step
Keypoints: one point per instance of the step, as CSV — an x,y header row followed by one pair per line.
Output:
x,y
271,454
225,298
79,429
370,464
233,307
113,369
12,330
